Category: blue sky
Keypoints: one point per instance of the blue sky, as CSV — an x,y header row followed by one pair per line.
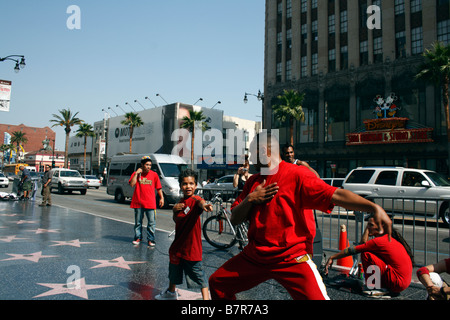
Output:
x,y
127,50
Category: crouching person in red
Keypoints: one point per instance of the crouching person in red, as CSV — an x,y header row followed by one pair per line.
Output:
x,y
185,253
277,203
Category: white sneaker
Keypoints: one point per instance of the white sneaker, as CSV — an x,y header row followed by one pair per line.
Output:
x,y
167,295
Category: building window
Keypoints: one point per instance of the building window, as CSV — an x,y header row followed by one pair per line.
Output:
x,y
279,71
331,24
304,63
288,70
443,31
400,44
376,3
399,7
344,21
378,50
289,39
313,4
304,33
280,8
363,53
288,9
344,58
314,30
416,6
331,60
304,5
314,64
416,41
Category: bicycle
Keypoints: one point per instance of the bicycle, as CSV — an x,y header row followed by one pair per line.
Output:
x,y
219,231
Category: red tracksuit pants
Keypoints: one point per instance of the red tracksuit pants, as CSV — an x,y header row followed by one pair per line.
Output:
x,y
301,280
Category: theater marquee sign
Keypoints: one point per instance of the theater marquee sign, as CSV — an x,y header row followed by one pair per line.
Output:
x,y
388,129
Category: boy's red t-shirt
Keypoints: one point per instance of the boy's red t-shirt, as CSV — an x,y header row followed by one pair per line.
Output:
x,y
187,244
284,228
144,191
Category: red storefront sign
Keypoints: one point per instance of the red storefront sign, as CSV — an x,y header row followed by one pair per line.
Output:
x,y
390,136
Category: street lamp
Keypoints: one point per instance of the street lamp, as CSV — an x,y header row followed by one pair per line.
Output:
x,y
259,96
158,95
201,99
19,65
150,101
130,106
139,104
117,106
106,112
218,102
113,111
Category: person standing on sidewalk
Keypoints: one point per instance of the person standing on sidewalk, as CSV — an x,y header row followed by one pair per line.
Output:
x,y
145,182
46,189
25,183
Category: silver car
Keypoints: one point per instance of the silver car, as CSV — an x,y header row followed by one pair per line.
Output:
x,y
398,189
4,182
224,185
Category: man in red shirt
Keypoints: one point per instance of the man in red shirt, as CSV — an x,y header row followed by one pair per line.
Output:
x,y
282,229
145,182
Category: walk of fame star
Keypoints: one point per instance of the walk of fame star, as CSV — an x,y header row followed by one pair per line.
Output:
x,y
11,238
73,243
79,289
117,262
39,230
34,257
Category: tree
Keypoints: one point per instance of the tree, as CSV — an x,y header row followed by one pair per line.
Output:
x,y
85,130
132,120
67,120
189,123
18,137
290,107
436,70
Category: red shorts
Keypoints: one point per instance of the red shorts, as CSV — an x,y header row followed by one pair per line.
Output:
x,y
302,280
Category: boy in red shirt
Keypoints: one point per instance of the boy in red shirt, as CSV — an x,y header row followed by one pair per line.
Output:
x,y
185,253
282,229
145,181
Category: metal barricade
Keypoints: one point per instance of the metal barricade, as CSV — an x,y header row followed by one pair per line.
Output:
x,y
427,235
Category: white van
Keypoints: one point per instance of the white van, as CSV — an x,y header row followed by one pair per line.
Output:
x,y
168,167
66,179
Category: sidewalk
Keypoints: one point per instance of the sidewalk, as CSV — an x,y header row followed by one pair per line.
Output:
x,y
42,249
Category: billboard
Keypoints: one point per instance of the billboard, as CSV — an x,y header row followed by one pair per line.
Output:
x,y
5,95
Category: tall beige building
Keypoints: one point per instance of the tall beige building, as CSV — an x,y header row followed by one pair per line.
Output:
x,y
343,54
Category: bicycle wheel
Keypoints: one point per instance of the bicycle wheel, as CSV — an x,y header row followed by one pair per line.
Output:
x,y
218,233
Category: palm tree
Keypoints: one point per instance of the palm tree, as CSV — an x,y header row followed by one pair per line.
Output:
x,y
67,120
18,137
85,130
3,149
436,69
132,120
290,107
189,123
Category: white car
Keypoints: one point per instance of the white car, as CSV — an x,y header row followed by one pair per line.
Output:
x,y
66,179
92,181
4,182
404,190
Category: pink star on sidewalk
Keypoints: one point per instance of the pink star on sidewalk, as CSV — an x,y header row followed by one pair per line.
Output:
x,y
25,221
117,262
39,230
73,243
11,238
34,257
79,290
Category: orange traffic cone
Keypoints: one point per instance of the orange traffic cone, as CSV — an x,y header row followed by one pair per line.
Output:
x,y
347,262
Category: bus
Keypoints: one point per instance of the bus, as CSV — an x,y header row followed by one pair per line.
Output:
x,y
13,168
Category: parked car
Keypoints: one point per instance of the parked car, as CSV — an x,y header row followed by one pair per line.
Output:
x,y
224,185
92,181
4,182
335,182
66,179
412,191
